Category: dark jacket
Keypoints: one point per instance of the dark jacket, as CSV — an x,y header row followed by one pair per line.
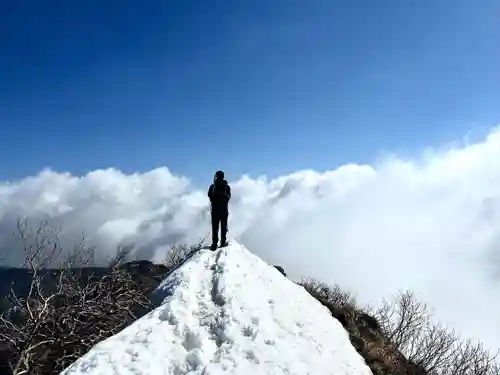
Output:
x,y
219,194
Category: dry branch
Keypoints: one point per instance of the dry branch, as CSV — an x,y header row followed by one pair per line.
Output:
x,y
67,310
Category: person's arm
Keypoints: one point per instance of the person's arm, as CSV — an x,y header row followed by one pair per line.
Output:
x,y
211,192
228,192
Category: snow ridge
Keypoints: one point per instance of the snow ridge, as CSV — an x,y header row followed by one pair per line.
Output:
x,y
228,312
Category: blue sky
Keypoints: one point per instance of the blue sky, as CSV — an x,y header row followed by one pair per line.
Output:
x,y
260,87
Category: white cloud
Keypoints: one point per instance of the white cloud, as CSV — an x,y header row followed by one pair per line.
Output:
x,y
431,224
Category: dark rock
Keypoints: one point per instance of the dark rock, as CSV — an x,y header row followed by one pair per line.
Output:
x,y
279,268
369,321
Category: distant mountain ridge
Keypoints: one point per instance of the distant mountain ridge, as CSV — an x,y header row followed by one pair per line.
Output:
x,y
19,279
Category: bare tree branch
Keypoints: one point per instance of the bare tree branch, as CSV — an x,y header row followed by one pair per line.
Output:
x,y
66,310
401,338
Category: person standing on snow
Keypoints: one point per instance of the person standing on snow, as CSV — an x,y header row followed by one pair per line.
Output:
x,y
219,194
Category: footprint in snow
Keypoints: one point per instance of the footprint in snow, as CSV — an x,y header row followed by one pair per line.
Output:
x,y
191,341
168,316
249,332
250,355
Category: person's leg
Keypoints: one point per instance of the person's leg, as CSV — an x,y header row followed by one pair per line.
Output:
x,y
215,230
223,228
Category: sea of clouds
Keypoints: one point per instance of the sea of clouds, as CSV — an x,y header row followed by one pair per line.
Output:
x,y
430,224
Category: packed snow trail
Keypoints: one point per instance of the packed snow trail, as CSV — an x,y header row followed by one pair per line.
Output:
x,y
228,312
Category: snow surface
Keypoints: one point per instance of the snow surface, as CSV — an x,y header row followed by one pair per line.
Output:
x,y
228,312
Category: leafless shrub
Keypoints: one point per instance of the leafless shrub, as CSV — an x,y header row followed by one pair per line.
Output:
x,y
472,358
402,319
179,253
363,328
120,257
401,338
176,254
407,324
67,310
333,295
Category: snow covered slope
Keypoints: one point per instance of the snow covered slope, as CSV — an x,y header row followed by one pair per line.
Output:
x,y
228,312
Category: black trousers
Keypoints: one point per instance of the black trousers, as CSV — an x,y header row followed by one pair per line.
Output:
x,y
219,218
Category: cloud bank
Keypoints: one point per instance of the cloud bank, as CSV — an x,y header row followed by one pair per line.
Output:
x,y
431,224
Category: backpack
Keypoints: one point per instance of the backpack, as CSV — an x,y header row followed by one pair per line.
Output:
x,y
220,191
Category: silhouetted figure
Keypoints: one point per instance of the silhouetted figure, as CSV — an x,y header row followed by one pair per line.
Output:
x,y
220,194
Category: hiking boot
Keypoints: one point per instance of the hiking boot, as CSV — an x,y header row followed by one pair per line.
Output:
x,y
213,247
224,244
